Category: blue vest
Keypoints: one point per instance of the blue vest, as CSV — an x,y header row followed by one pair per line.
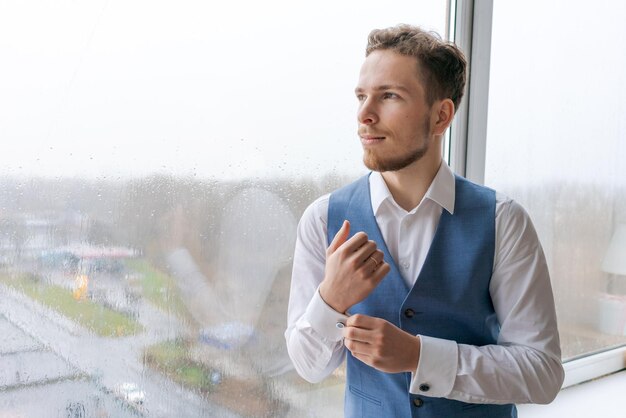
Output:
x,y
449,300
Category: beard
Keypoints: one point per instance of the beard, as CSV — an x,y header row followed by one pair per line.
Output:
x,y
394,163
377,163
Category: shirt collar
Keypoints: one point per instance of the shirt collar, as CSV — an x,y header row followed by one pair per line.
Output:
x,y
440,191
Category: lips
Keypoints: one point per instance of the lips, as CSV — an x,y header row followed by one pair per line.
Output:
x,y
371,139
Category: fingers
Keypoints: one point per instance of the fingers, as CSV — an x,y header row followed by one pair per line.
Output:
x,y
374,268
381,271
362,336
360,321
369,255
358,349
372,260
381,344
354,267
340,237
378,255
354,333
365,251
357,247
356,242
357,340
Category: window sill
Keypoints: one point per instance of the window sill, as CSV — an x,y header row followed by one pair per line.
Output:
x,y
593,366
602,396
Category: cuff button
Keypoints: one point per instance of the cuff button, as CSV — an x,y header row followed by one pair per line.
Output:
x,y
340,325
424,387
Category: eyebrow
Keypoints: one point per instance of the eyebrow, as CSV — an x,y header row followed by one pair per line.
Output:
x,y
385,87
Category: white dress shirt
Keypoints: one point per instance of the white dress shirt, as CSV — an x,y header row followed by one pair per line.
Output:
x,y
524,366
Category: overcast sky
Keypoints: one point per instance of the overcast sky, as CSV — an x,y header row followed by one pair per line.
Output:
x,y
557,88
239,89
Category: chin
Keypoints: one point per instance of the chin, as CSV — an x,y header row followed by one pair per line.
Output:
x,y
372,163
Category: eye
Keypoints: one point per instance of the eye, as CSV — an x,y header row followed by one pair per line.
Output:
x,y
360,97
389,95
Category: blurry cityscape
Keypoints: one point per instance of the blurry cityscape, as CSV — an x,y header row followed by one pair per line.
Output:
x,y
153,297
165,296
575,223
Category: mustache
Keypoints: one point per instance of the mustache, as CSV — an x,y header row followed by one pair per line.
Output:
x,y
367,132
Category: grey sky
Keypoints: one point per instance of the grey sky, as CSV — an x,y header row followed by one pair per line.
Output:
x,y
556,107
126,88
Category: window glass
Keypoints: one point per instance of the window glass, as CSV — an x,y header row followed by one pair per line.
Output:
x,y
157,157
556,143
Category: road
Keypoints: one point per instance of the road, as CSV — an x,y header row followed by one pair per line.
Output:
x,y
74,373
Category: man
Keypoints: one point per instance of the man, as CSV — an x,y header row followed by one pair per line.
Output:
x,y
434,288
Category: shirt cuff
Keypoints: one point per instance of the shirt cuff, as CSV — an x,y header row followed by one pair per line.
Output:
x,y
436,369
324,320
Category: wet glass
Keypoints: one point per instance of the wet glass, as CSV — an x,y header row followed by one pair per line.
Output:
x,y
556,143
157,157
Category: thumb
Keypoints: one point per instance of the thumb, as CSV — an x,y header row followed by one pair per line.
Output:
x,y
340,237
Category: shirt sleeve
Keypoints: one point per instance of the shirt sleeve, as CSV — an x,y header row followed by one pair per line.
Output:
x,y
314,340
525,364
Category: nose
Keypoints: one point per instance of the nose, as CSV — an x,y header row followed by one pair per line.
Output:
x,y
366,114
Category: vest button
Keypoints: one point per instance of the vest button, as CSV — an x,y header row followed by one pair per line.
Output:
x,y
409,313
424,387
418,402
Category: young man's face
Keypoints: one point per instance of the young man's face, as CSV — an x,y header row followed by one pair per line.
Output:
x,y
394,117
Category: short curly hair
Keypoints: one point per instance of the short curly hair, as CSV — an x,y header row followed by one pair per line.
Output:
x,y
442,64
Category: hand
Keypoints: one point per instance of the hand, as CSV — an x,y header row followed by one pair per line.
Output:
x,y
353,269
381,344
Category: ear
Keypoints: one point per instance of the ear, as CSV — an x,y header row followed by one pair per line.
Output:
x,y
443,113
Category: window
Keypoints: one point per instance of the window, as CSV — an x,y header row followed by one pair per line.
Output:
x,y
556,144
157,158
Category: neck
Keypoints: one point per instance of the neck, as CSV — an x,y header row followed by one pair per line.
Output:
x,y
409,185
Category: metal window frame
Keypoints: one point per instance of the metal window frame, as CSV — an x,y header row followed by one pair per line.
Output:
x,y
595,365
471,30
470,27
